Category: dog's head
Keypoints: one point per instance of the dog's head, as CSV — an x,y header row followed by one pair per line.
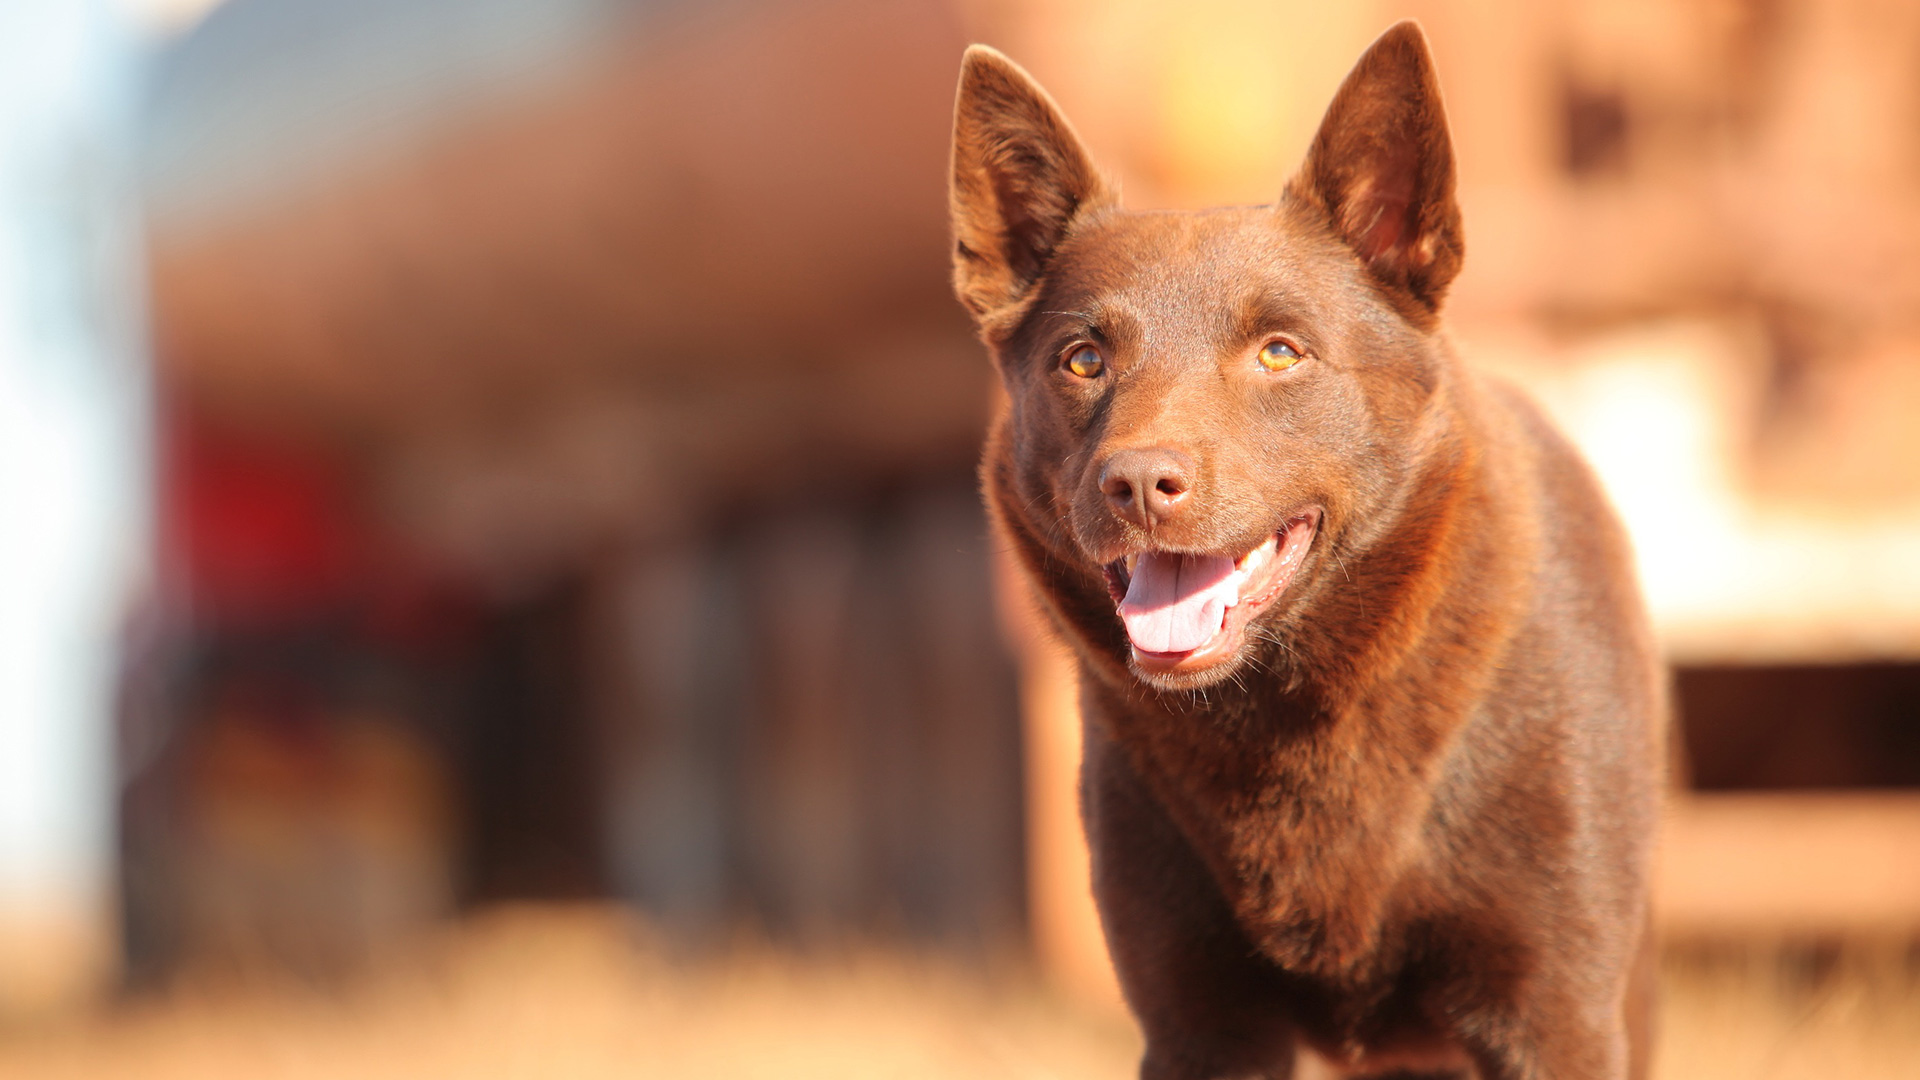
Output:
x,y
1206,410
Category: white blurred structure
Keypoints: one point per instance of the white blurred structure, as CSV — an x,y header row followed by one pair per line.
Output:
x,y
1665,413
74,500
167,18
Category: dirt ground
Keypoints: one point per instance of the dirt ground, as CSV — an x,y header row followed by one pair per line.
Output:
x,y
584,992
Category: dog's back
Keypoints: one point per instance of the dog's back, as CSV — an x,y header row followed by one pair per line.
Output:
x,y
1373,717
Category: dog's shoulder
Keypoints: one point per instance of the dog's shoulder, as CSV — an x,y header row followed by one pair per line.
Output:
x,y
1586,621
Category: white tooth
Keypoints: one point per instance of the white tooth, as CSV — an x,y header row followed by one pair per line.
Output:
x,y
1132,561
1258,557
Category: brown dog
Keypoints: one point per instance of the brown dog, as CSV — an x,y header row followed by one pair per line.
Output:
x,y
1373,719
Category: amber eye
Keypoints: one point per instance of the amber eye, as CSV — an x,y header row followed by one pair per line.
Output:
x,y
1279,355
1085,361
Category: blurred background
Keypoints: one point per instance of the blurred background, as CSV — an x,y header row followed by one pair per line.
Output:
x,y
494,579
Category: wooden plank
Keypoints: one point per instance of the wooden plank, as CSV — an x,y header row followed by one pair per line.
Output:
x,y
1790,863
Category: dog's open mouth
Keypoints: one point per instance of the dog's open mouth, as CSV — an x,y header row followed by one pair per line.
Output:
x,y
1184,612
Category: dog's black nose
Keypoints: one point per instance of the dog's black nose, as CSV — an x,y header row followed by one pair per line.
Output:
x,y
1147,486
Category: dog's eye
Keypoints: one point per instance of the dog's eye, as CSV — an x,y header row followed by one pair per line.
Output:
x,y
1279,355
1085,362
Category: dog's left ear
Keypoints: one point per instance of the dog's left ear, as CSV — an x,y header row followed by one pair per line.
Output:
x,y
1381,172
1020,177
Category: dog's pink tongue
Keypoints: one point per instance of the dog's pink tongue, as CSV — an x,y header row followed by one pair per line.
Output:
x,y
1177,603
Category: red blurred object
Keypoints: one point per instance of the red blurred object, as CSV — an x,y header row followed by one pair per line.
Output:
x,y
270,532
264,529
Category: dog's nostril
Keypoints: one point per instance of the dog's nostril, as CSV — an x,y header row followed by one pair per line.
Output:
x,y
1147,484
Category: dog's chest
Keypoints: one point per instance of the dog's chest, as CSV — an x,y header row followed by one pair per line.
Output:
x,y
1300,835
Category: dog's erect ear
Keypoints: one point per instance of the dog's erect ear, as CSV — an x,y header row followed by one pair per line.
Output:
x,y
1019,178
1381,170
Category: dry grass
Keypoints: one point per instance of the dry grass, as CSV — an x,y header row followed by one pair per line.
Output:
x,y
1791,1012
581,993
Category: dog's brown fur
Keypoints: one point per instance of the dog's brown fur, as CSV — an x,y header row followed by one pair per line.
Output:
x,y
1405,820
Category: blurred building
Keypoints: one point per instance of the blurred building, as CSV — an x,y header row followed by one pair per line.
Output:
x,y
569,434
570,481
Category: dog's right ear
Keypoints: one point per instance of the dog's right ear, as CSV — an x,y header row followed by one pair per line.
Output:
x,y
1020,177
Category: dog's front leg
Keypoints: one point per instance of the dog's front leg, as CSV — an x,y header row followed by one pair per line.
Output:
x,y
1210,1007
1554,1036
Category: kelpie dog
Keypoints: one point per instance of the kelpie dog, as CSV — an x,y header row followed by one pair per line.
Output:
x,y
1373,719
